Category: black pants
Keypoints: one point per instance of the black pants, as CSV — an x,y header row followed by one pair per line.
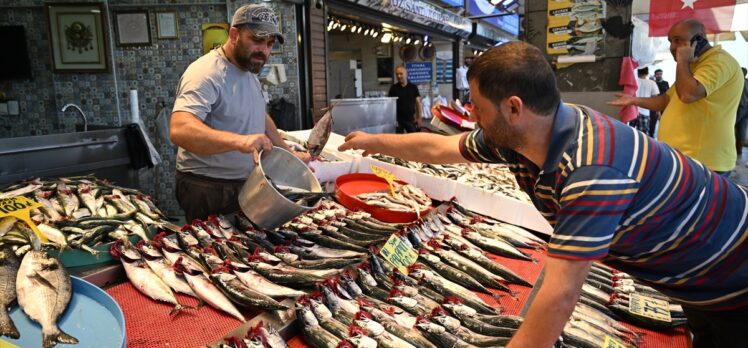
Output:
x,y
200,196
718,329
407,127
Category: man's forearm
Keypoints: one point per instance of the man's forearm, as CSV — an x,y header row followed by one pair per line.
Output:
x,y
188,132
553,304
688,88
272,132
421,147
657,103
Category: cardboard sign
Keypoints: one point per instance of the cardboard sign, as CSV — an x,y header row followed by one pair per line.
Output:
x,y
611,342
20,207
649,307
387,176
398,253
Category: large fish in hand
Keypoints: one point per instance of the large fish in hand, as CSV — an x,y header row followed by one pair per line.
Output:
x,y
320,133
44,291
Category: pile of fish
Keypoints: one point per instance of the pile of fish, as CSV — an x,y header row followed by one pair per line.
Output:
x,y
298,195
258,336
80,212
228,264
407,198
42,288
608,291
494,178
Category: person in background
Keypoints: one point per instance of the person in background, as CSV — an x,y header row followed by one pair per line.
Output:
x,y
741,118
219,120
662,85
654,116
647,88
408,102
611,194
699,112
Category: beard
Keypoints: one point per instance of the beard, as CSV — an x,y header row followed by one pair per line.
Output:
x,y
246,61
501,134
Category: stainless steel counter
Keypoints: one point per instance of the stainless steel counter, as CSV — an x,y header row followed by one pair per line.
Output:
x,y
101,152
372,115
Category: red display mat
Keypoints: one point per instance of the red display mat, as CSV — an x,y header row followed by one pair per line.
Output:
x,y
148,323
350,185
530,271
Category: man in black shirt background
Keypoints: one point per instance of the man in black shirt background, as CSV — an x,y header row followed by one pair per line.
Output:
x,y
408,102
661,84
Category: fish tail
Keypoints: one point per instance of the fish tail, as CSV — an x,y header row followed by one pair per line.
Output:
x,y
178,308
51,340
8,329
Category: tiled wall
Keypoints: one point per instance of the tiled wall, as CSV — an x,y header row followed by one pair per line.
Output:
x,y
153,70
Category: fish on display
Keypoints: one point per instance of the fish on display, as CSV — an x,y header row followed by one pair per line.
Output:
x,y
44,290
9,264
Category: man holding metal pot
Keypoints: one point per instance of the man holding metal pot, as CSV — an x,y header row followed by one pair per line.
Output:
x,y
219,119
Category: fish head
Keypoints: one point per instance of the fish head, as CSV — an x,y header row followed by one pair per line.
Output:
x,y
320,310
305,314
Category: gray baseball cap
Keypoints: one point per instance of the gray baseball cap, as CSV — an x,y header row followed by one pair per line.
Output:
x,y
261,20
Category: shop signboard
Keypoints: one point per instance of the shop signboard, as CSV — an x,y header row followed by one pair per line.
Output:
x,y
424,13
444,69
574,27
455,3
489,32
420,72
508,23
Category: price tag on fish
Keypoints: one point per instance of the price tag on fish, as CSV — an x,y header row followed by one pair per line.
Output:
x,y
386,175
398,253
20,208
611,342
649,307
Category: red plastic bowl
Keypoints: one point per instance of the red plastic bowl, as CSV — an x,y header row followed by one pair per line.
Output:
x,y
348,186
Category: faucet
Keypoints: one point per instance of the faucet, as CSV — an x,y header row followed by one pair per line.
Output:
x,y
85,121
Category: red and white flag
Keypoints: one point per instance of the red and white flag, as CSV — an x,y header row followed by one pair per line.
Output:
x,y
715,14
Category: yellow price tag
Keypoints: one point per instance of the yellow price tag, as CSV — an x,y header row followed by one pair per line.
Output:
x,y
398,253
649,307
20,207
386,175
6,344
611,342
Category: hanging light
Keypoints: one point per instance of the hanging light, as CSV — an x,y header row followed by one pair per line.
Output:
x,y
418,41
425,38
353,28
376,33
329,26
408,40
358,31
386,38
366,32
342,27
336,25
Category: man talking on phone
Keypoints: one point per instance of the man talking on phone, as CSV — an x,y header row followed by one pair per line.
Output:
x,y
700,107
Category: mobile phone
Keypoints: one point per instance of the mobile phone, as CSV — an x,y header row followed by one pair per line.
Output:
x,y
701,43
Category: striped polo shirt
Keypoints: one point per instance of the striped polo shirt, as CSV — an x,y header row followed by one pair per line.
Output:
x,y
612,193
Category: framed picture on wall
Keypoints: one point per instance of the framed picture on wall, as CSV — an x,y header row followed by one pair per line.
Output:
x,y
132,28
77,37
167,25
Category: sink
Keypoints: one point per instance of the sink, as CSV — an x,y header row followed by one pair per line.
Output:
x,y
93,127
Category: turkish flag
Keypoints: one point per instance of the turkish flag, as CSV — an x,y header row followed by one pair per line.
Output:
x,y
715,14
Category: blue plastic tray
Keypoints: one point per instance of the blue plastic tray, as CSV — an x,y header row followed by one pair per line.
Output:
x,y
92,316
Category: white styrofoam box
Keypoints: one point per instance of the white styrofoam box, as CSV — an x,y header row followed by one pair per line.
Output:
x,y
329,171
483,202
502,208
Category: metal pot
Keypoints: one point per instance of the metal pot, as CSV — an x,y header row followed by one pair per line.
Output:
x,y
261,202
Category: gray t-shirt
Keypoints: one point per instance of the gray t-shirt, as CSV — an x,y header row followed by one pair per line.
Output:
x,y
225,98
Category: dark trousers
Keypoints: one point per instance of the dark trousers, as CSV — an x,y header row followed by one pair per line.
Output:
x,y
654,117
718,329
407,127
200,196
641,123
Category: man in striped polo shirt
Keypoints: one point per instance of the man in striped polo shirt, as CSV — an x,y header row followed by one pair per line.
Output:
x,y
610,192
